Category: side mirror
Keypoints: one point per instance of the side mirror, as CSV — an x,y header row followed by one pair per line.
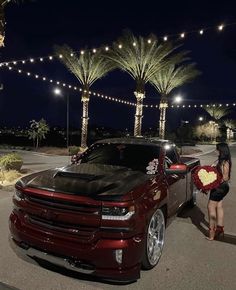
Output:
x,y
177,169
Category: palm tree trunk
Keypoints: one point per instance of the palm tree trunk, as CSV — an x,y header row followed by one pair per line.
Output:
x,y
139,113
2,25
85,118
163,106
228,134
37,143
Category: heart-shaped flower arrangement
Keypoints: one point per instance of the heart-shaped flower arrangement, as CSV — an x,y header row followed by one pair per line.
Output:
x,y
206,177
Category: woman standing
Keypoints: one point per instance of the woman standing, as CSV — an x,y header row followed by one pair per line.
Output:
x,y
215,203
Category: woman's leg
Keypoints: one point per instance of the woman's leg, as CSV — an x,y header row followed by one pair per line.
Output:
x,y
220,214
212,215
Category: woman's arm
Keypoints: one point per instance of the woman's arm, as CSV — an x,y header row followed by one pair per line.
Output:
x,y
225,170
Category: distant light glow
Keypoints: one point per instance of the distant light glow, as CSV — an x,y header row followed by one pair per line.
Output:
x,y
134,43
182,35
167,147
201,31
178,99
149,41
200,118
57,91
120,45
165,38
220,27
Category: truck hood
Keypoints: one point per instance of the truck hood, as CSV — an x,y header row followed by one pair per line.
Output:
x,y
97,181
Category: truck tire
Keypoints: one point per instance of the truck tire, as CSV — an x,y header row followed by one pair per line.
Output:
x,y
193,201
154,240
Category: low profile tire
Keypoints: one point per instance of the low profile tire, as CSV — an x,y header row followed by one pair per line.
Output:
x,y
193,201
154,241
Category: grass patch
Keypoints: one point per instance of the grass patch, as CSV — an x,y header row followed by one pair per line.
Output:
x,y
8,178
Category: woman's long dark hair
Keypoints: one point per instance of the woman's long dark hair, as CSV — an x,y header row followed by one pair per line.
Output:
x,y
224,155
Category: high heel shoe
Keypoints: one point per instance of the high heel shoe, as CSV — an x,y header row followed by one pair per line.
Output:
x,y
219,232
211,232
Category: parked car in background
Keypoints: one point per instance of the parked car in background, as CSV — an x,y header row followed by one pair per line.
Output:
x,y
106,214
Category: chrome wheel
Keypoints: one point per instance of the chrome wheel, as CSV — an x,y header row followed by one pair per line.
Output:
x,y
155,237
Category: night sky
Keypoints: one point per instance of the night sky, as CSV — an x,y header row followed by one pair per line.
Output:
x,y
34,27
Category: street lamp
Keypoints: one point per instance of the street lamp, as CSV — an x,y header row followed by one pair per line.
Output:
x,y
200,119
178,99
58,92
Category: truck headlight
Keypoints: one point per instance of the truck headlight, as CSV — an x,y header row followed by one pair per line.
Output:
x,y
18,195
117,213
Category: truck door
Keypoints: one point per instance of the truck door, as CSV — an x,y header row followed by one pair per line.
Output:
x,y
176,183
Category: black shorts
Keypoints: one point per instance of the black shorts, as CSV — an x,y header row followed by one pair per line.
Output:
x,y
220,192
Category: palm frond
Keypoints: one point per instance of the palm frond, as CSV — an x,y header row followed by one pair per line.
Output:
x,y
5,2
229,123
216,112
173,76
87,67
140,58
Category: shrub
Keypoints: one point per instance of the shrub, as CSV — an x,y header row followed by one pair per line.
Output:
x,y
11,161
10,175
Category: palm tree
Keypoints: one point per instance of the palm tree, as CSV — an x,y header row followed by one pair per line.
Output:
x,y
216,112
87,68
230,125
141,58
170,77
3,4
37,131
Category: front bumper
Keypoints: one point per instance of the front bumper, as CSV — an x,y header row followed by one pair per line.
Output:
x,y
96,259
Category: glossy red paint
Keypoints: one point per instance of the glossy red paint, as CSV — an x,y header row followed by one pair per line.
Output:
x,y
74,227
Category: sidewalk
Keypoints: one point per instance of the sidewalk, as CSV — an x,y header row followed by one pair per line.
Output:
x,y
200,150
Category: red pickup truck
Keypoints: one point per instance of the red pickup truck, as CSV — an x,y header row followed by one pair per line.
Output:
x,y
105,215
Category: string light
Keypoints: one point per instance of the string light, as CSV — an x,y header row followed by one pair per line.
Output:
x,y
200,31
38,77
75,88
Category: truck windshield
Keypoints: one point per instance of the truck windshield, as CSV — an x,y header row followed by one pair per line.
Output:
x,y
136,157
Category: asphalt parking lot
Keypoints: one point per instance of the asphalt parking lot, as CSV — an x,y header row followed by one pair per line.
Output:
x,y
189,261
